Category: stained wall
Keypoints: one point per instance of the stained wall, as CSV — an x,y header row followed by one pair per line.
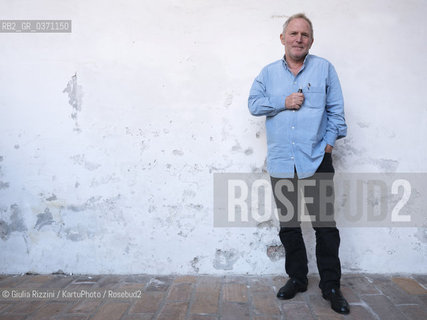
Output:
x,y
111,134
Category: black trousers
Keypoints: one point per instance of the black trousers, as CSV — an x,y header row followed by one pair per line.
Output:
x,y
319,196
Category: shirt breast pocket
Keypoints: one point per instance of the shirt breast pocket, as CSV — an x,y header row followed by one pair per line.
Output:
x,y
315,97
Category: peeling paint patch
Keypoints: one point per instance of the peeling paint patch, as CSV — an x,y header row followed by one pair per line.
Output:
x,y
275,253
263,169
194,263
224,260
177,153
363,124
91,166
388,165
4,230
16,223
73,235
108,206
143,146
249,151
89,204
75,95
52,198
104,180
44,219
77,233
266,224
236,147
197,207
188,194
4,185
228,100
421,234
347,149
219,167
80,159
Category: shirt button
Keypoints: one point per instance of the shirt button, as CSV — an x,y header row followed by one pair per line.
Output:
x,y
293,142
293,128
292,158
293,110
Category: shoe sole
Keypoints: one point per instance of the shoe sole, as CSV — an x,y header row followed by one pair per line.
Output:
x,y
286,298
337,311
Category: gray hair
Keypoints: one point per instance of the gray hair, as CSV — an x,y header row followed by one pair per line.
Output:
x,y
298,16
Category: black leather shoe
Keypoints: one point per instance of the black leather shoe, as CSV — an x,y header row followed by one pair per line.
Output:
x,y
290,289
338,302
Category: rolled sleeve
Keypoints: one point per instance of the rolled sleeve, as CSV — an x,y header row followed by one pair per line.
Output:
x,y
259,103
336,127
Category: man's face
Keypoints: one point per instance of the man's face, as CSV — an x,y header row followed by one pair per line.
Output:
x,y
297,39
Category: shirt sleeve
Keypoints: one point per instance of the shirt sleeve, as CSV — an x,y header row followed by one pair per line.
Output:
x,y
260,103
336,127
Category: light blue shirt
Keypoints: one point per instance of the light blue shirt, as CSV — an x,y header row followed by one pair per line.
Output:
x,y
297,139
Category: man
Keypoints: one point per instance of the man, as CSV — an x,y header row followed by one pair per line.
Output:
x,y
300,95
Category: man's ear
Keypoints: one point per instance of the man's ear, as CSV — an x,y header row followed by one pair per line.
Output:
x,y
312,40
282,38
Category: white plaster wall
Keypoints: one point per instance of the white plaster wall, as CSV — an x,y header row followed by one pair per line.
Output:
x,y
160,104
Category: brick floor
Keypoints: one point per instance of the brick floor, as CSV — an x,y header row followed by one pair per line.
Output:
x,y
131,297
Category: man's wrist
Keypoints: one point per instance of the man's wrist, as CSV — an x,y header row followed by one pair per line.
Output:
x,y
328,148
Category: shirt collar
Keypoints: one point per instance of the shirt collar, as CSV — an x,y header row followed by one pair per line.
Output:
x,y
305,59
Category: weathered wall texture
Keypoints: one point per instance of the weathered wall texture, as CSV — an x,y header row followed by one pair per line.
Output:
x,y
110,135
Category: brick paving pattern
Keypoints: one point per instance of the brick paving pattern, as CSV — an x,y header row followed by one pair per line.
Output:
x,y
131,297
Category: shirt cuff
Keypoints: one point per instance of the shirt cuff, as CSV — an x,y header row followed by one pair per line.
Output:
x,y
330,138
278,103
